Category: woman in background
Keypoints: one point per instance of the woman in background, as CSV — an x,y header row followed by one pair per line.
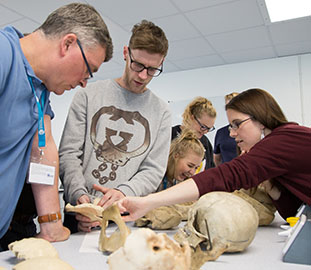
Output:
x,y
186,154
276,149
199,116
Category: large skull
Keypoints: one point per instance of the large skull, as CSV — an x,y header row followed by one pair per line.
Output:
x,y
218,222
144,249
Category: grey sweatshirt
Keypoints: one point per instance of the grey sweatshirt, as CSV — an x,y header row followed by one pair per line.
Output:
x,y
114,138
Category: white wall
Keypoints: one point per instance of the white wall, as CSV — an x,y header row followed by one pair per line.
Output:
x,y
288,79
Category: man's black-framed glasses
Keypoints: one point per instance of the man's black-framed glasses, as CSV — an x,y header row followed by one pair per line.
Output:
x,y
203,127
235,125
139,67
86,62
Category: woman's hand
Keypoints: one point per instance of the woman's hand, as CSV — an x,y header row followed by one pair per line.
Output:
x,y
111,195
133,208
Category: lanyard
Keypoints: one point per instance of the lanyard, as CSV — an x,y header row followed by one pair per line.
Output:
x,y
41,131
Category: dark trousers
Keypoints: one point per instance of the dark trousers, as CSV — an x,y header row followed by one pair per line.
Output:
x,y
22,224
70,222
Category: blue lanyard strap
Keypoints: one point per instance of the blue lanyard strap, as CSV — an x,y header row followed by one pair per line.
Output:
x,y
164,182
41,130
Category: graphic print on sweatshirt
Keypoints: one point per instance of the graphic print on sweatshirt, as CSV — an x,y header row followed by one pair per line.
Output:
x,y
124,135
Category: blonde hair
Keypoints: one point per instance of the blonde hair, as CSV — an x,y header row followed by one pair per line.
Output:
x,y
180,146
230,96
197,107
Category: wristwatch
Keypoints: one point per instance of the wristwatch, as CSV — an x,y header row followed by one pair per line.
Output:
x,y
54,217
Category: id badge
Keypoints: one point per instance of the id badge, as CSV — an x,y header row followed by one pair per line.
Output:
x,y
41,170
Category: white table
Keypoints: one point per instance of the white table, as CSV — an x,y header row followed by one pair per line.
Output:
x,y
265,252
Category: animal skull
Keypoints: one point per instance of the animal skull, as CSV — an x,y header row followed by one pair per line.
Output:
x,y
183,209
262,203
219,222
162,218
144,249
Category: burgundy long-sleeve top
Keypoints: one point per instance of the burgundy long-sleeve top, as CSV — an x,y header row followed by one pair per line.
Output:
x,y
284,156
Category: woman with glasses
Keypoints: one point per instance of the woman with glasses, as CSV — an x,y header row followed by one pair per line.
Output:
x,y
278,153
199,116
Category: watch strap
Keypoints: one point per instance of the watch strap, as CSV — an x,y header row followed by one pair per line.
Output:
x,y
53,217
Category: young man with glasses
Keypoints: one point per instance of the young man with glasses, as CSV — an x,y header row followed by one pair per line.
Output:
x,y
46,60
117,134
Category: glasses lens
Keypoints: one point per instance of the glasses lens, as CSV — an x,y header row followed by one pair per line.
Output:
x,y
138,67
154,71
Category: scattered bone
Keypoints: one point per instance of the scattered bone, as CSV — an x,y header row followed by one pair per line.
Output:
x,y
117,239
29,248
90,210
45,263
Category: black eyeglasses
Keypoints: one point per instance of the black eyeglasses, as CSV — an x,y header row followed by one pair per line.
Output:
x,y
203,127
86,62
235,125
139,67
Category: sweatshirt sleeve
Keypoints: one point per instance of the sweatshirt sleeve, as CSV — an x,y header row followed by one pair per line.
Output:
x,y
151,171
71,150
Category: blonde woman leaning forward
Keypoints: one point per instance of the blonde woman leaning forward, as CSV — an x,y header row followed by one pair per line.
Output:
x,y
277,149
186,154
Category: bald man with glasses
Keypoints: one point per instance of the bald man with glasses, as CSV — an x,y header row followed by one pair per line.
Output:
x,y
50,59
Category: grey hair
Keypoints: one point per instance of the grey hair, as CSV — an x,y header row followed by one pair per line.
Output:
x,y
82,20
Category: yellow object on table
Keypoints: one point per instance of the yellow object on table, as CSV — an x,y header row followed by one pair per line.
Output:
x,y
292,221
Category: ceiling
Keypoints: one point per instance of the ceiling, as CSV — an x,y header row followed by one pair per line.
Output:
x,y
201,33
